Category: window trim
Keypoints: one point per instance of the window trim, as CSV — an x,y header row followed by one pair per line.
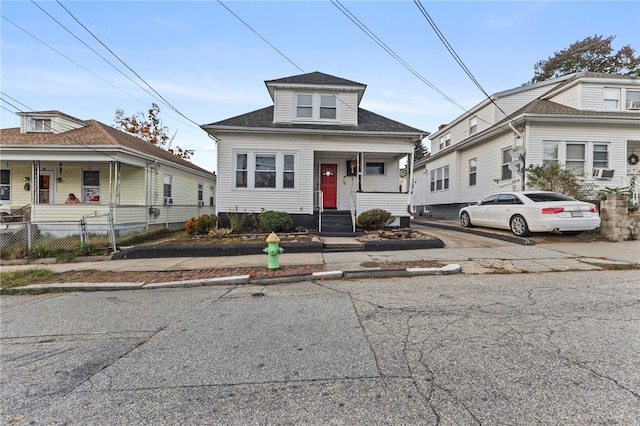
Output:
x,y
439,179
505,171
589,160
473,125
167,186
90,192
316,106
32,125
370,166
279,170
5,187
473,171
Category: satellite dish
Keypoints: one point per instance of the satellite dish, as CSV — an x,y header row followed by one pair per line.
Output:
x,y
517,151
516,166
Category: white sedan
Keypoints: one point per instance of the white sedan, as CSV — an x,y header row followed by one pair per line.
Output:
x,y
532,211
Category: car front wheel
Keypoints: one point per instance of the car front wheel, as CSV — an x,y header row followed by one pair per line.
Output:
x,y
519,226
465,220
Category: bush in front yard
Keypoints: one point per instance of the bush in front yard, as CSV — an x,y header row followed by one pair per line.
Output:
x,y
201,225
374,219
272,221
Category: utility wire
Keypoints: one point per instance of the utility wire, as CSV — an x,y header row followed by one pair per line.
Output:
x,y
263,39
390,51
94,51
453,53
70,60
127,66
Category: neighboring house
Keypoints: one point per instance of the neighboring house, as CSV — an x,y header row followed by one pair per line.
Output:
x,y
314,154
587,122
113,173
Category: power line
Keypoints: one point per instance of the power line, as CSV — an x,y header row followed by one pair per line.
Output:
x,y
69,59
453,53
390,51
263,39
127,66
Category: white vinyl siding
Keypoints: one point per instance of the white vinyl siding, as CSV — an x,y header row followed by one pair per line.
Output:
x,y
333,149
346,105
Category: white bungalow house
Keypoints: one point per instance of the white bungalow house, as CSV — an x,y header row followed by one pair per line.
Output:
x,y
587,122
113,174
314,154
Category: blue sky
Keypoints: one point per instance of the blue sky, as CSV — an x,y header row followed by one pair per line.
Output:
x,y
210,66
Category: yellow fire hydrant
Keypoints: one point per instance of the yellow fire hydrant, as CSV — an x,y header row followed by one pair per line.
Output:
x,y
273,250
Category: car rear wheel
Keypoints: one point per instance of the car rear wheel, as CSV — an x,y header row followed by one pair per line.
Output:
x,y
465,220
519,226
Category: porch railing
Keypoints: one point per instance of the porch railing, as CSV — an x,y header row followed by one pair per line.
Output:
x,y
318,205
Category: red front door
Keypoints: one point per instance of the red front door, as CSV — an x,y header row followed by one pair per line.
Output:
x,y
329,185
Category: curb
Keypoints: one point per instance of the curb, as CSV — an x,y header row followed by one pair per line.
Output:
x,y
237,280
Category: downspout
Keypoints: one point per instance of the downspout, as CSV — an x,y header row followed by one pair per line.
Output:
x,y
520,136
410,184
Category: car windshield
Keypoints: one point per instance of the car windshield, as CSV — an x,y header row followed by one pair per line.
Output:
x,y
540,197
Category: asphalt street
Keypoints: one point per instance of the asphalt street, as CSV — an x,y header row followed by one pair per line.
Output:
x,y
536,348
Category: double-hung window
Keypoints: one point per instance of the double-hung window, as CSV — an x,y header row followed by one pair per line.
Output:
x,y
211,196
91,186
550,153
473,167
289,171
506,160
576,157
611,99
200,194
328,107
5,185
167,189
316,107
268,170
473,125
265,172
241,167
600,156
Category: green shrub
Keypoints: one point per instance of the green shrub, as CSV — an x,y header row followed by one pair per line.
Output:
x,y
374,219
272,221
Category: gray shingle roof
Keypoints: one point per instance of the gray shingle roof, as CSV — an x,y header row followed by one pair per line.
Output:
x,y
367,122
316,78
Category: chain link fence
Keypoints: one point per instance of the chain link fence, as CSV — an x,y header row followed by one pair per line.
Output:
x,y
88,236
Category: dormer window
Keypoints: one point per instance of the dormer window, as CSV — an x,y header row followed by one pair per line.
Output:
x,y
316,106
39,125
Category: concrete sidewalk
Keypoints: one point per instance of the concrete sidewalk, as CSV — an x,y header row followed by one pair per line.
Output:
x,y
504,258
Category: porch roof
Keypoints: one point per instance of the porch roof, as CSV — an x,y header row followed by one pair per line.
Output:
x,y
94,136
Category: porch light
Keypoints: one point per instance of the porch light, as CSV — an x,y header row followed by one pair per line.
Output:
x,y
26,178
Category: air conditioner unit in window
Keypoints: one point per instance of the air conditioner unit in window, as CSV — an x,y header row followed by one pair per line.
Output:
x,y
633,104
602,173
168,200
200,203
